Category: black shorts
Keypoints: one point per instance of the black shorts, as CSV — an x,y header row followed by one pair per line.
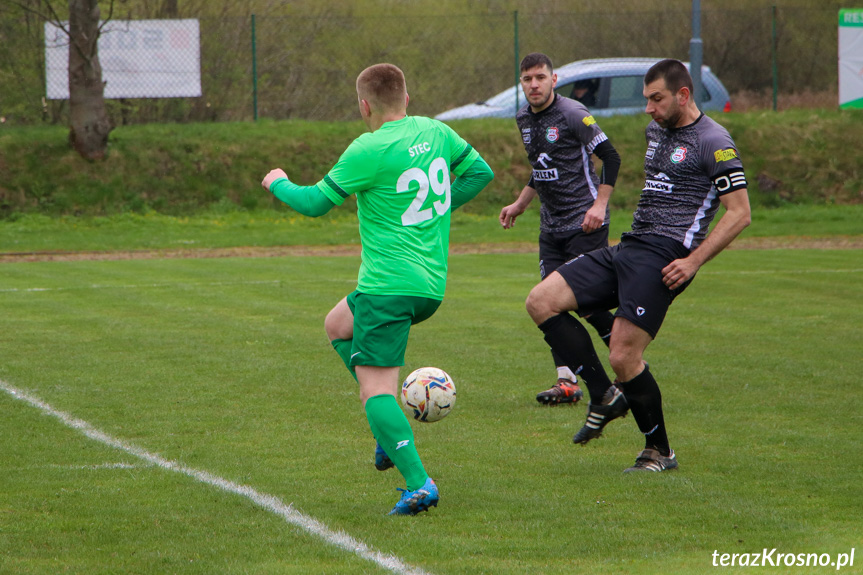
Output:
x,y
557,248
628,277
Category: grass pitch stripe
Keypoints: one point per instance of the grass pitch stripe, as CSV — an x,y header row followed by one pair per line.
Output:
x,y
268,502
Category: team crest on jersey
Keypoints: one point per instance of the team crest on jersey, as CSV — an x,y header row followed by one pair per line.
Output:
x,y
552,134
678,155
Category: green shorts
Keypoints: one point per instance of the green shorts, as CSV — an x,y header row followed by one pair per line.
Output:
x,y
382,324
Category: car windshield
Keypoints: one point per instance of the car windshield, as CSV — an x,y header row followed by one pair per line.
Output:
x,y
504,99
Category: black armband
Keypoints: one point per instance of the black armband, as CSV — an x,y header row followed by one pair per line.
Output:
x,y
730,181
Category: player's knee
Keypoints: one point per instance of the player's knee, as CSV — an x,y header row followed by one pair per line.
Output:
x,y
335,326
625,361
538,305
616,358
329,327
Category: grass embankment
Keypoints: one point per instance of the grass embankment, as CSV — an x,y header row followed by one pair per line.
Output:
x,y
799,156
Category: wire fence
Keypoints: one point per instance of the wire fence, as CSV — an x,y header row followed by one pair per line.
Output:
x,y
305,67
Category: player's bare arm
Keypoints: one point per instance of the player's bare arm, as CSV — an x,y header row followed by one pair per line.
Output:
x,y
595,216
735,219
509,213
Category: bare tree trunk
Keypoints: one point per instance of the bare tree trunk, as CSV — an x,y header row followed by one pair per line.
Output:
x,y
89,118
168,9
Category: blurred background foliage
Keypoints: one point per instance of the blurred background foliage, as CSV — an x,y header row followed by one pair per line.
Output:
x,y
308,52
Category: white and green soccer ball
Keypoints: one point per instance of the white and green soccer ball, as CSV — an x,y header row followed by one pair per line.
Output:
x,y
428,393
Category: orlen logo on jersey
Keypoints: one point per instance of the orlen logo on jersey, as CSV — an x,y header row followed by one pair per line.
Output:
x,y
678,155
545,175
552,134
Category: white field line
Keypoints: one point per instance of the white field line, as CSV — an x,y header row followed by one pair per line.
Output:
x,y
138,286
99,466
269,502
159,285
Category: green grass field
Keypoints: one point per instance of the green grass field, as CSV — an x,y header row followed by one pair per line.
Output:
x,y
243,447
267,228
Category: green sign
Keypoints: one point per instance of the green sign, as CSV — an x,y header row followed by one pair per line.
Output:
x,y
851,17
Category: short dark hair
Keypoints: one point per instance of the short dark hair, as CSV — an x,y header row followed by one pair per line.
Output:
x,y
674,73
535,59
384,84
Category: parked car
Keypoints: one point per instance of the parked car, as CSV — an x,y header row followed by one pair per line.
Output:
x,y
608,86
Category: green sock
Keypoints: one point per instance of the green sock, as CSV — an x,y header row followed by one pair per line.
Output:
x,y
393,431
343,348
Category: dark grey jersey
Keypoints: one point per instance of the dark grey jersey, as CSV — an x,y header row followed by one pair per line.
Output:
x,y
686,171
559,141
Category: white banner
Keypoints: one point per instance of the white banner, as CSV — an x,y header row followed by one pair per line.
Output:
x,y
851,58
139,58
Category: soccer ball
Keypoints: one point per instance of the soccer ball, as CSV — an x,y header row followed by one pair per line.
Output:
x,y
429,394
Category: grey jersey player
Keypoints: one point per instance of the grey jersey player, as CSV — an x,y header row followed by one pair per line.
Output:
x,y
691,168
687,170
560,137
559,141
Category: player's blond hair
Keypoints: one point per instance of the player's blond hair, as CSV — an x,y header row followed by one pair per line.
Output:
x,y
382,86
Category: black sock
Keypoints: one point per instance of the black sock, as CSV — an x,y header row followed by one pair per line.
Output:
x,y
645,401
571,342
602,322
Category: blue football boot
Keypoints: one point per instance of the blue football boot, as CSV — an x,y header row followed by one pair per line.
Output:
x,y
413,502
382,460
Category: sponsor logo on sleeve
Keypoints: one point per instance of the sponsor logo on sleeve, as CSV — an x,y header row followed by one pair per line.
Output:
x,y
725,155
651,150
589,121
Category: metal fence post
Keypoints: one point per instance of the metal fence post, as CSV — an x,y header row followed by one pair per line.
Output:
x,y
773,55
254,72
696,50
515,45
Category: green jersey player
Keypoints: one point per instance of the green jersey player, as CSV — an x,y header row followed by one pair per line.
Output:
x,y
401,172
